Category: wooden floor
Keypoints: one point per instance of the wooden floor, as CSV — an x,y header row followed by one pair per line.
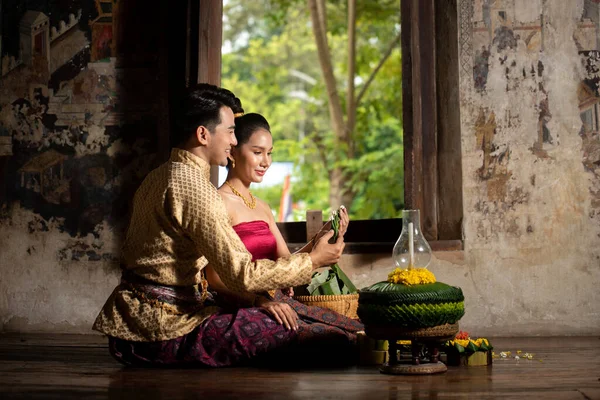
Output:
x,y
79,367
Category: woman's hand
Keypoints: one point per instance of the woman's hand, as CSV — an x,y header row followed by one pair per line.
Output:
x,y
289,292
282,312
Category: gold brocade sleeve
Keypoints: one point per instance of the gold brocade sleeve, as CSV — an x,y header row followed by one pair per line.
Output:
x,y
201,213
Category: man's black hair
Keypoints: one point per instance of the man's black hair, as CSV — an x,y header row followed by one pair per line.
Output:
x,y
201,105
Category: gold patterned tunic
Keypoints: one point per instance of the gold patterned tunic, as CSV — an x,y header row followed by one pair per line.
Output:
x,y
179,224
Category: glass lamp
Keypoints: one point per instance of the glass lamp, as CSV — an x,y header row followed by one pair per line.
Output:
x,y
411,250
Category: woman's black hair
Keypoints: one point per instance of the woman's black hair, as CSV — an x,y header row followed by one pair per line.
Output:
x,y
246,125
201,105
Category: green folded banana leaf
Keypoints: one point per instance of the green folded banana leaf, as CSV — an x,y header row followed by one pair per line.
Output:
x,y
485,347
459,348
317,280
471,348
332,281
331,286
344,278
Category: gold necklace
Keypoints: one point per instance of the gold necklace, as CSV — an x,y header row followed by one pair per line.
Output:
x,y
250,204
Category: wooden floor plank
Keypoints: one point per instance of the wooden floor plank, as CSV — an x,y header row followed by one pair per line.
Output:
x,y
75,367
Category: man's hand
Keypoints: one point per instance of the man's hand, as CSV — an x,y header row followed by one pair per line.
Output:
x,y
324,254
324,229
282,312
344,222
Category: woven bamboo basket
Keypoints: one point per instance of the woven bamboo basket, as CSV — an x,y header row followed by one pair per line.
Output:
x,y
345,304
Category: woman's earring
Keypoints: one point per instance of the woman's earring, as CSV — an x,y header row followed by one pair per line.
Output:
x,y
232,162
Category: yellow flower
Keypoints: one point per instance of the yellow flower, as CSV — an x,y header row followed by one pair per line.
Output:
x,y
416,276
462,342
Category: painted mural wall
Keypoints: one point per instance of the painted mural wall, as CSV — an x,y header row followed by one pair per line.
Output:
x,y
77,134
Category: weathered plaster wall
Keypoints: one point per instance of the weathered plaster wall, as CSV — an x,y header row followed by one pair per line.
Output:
x,y
40,290
531,169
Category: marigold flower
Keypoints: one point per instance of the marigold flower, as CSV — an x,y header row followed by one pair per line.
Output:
x,y
415,276
462,335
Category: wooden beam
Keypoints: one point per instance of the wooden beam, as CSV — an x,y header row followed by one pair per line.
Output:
x,y
411,183
163,125
171,70
427,35
314,223
192,38
210,41
420,118
449,141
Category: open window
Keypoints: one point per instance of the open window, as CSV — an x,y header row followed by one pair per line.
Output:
x,y
430,80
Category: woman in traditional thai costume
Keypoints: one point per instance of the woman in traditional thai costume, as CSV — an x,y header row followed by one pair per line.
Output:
x,y
253,220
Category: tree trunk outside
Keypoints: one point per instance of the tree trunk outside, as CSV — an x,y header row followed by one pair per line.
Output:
x,y
336,181
338,195
335,106
343,130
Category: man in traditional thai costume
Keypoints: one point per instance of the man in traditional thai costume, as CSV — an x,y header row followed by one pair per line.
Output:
x,y
162,313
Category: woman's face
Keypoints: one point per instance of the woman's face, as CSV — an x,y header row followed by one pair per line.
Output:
x,y
253,158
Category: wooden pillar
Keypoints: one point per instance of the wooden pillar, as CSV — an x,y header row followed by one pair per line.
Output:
x,y
450,206
163,118
210,41
419,114
314,223
205,48
172,76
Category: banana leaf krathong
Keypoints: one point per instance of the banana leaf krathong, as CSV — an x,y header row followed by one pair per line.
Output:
x,y
332,281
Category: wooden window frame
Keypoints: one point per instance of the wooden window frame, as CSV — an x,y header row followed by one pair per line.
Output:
x,y
431,119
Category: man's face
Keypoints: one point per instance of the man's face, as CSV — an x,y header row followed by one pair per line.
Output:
x,y
222,139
